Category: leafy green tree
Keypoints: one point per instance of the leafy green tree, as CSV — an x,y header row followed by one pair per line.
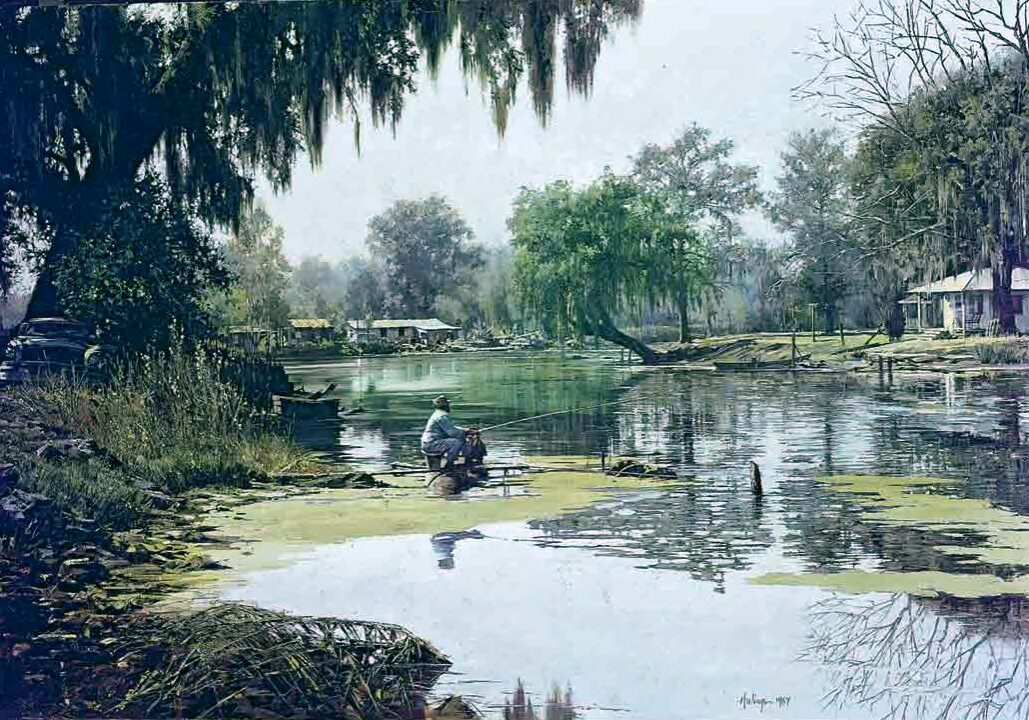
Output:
x,y
811,205
895,223
582,257
260,273
142,271
426,249
694,178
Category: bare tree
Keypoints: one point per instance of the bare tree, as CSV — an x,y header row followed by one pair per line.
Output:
x,y
892,56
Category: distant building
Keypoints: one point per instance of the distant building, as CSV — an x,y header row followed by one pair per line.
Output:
x,y
252,338
964,302
427,331
311,330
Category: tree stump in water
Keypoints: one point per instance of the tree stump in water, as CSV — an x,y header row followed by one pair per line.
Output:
x,y
755,479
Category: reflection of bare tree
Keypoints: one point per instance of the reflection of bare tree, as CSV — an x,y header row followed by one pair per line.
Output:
x,y
908,657
557,707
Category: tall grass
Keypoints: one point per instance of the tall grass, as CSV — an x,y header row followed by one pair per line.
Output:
x,y
1002,351
172,422
90,489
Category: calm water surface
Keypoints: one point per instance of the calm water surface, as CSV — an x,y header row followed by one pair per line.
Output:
x,y
643,605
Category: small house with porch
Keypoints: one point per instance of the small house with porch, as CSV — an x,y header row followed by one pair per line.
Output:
x,y
426,331
964,303
310,330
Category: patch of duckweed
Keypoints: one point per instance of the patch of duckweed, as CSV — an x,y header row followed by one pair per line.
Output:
x,y
264,531
1001,539
928,583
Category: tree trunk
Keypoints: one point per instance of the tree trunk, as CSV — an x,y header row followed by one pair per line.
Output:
x,y
606,329
685,335
830,316
1002,308
82,204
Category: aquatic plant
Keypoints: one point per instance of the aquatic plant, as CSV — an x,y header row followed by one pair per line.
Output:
x,y
558,706
89,490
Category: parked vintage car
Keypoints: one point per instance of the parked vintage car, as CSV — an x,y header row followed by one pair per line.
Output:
x,y
49,346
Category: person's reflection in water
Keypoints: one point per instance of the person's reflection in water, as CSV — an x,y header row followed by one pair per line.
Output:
x,y
443,545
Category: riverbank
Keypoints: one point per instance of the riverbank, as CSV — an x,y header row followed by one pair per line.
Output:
x,y
102,499
855,351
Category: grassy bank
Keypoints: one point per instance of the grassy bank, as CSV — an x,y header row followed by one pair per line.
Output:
x,y
857,350
97,515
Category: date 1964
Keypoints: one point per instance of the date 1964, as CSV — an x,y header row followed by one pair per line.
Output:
x,y
748,700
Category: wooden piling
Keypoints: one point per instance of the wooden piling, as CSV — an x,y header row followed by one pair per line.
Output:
x,y
755,479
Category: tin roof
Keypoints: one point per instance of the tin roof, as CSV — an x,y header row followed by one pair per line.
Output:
x,y
310,324
973,280
426,324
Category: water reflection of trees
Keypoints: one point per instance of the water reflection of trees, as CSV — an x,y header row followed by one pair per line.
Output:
x,y
942,659
396,393
704,528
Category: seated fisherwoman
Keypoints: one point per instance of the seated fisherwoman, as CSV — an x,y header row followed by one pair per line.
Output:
x,y
443,437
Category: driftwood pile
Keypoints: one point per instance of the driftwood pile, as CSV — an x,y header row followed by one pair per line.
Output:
x,y
240,661
628,467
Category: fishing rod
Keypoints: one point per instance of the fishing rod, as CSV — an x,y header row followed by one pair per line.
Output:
x,y
557,412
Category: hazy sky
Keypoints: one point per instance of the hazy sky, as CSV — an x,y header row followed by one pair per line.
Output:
x,y
726,64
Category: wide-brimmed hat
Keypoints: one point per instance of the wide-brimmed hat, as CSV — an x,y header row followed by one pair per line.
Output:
x,y
441,402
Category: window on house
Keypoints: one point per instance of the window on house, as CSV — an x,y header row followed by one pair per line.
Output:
x,y
957,301
382,332
400,332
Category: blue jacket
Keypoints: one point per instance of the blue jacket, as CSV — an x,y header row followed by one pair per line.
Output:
x,y
440,426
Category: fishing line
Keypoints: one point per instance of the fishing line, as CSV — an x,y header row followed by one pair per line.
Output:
x,y
561,412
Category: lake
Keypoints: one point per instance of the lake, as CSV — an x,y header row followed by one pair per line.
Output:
x,y
833,595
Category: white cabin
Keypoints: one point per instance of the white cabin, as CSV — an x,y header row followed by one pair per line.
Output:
x,y
964,302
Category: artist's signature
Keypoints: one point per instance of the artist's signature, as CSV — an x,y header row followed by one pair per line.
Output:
x,y
748,700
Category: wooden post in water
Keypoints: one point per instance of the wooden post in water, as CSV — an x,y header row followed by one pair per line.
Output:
x,y
843,340
889,369
755,479
793,348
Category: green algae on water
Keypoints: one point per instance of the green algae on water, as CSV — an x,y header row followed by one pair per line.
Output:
x,y
262,533
928,583
924,504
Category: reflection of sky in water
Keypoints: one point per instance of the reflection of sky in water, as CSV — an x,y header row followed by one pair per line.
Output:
x,y
650,643
644,604
363,445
